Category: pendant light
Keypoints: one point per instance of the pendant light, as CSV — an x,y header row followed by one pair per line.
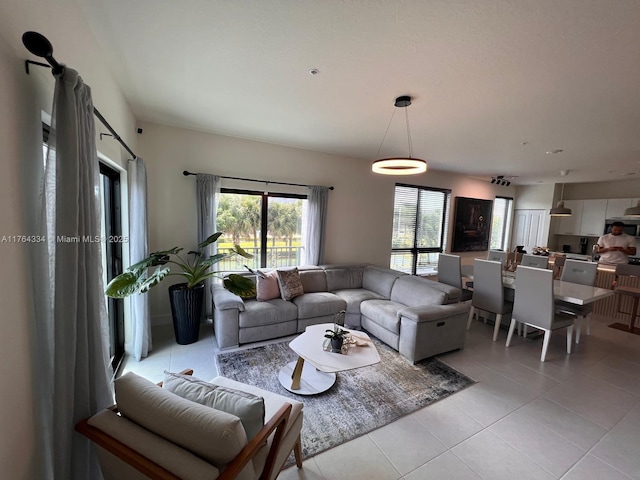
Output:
x,y
633,211
560,210
399,165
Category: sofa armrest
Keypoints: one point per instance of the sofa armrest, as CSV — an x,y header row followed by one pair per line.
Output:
x,y
223,299
430,313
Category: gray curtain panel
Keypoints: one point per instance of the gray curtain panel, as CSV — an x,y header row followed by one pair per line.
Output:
x,y
208,193
141,344
318,199
71,326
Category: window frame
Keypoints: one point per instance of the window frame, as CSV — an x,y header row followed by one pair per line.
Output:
x,y
415,251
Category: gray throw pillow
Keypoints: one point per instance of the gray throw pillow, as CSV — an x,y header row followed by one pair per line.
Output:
x,y
290,283
246,406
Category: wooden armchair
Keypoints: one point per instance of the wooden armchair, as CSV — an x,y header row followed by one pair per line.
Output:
x,y
121,457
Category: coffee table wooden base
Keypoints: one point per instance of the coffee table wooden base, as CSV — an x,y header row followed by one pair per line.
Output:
x,y
307,379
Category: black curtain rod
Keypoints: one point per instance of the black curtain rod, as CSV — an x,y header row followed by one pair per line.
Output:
x,y
186,174
40,46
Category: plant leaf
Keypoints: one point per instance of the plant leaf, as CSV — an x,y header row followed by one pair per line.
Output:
x,y
155,278
123,285
241,286
212,239
241,251
213,259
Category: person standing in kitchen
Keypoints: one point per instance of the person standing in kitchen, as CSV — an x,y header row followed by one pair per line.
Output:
x,y
616,246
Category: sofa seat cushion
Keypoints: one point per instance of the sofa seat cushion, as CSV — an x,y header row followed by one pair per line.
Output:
x,y
383,312
257,313
318,304
355,296
415,291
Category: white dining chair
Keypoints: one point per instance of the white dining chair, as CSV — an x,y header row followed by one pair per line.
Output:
x,y
536,261
583,273
497,256
488,293
450,273
534,306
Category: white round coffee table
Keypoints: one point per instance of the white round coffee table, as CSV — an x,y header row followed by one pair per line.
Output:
x,y
315,370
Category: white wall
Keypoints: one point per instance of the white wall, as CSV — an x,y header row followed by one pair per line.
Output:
x,y
22,98
360,212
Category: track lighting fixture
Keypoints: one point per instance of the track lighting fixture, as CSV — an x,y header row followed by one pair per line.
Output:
x,y
500,180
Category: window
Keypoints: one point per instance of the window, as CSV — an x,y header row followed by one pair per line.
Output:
x,y
501,223
420,223
269,226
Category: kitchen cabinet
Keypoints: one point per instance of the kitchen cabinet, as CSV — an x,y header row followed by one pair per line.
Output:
x,y
571,225
617,206
593,217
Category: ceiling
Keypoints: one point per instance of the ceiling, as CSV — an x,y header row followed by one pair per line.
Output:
x,y
496,84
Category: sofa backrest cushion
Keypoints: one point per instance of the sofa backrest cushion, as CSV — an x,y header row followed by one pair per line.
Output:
x,y
211,434
380,280
313,280
415,291
342,277
451,294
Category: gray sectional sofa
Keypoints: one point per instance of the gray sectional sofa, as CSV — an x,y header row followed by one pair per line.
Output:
x,y
415,316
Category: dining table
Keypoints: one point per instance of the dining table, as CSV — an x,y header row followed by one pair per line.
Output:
x,y
574,293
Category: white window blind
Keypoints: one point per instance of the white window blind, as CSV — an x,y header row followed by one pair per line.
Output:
x,y
501,223
420,220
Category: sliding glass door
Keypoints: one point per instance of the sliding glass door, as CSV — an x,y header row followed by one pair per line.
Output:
x,y
112,256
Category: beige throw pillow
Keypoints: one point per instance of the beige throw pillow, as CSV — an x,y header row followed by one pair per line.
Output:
x,y
267,286
290,283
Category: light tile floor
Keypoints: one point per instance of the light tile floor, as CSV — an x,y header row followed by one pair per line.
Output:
x,y
574,417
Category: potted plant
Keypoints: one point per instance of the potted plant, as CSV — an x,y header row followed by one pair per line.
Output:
x,y
186,298
337,338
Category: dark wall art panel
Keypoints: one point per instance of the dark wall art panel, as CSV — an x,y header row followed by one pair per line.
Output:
x,y
472,224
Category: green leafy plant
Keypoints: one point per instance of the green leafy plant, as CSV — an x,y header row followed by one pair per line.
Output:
x,y
194,268
337,332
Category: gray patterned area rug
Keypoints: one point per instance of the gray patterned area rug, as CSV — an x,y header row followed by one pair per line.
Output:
x,y
361,400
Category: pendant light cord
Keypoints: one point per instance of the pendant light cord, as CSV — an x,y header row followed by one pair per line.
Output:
x,y
406,116
386,131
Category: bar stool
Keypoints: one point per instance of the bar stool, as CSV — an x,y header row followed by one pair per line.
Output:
x,y
625,270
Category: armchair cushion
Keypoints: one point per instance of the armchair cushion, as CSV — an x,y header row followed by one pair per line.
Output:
x,y
246,406
213,435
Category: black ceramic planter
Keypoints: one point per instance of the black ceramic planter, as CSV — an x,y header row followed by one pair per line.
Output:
x,y
336,344
186,310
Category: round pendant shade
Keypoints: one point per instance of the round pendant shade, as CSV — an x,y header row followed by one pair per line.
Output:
x,y
399,166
